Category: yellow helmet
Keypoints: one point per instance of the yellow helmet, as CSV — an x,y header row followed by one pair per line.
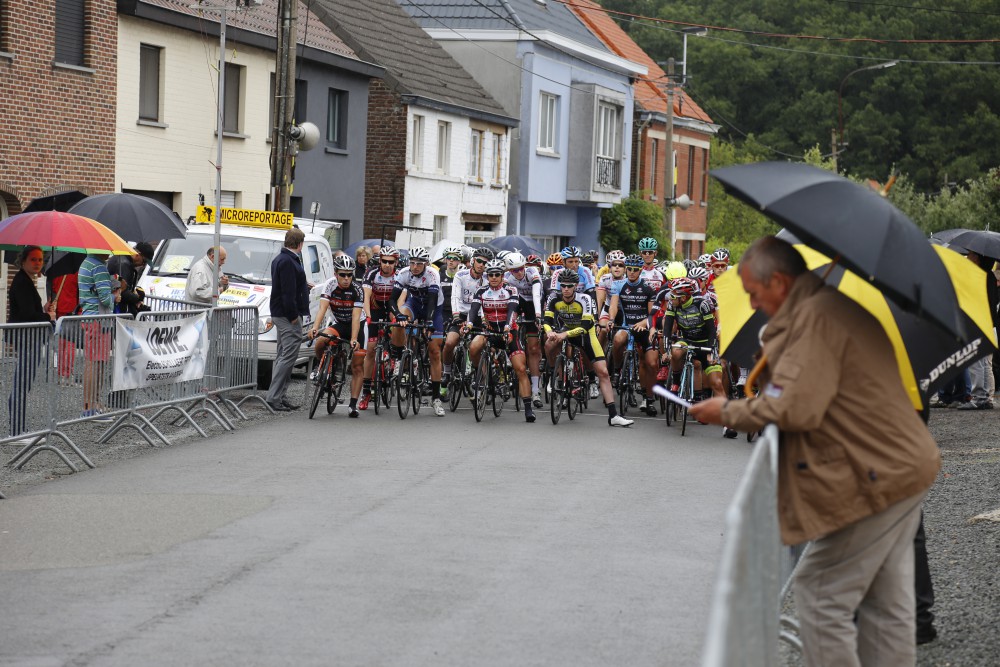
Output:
x,y
675,270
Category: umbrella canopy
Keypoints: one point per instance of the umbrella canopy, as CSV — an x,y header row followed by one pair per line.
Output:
x,y
133,217
926,356
61,201
352,249
60,231
863,231
522,244
944,237
986,244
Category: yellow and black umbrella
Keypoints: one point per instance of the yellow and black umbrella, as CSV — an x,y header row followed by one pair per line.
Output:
x,y
927,356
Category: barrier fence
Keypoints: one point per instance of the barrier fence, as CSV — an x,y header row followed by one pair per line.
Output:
x,y
56,378
755,572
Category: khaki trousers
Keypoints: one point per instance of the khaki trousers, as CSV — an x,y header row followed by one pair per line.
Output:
x,y
864,569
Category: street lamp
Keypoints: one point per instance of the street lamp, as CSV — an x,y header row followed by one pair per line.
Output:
x,y
697,31
840,95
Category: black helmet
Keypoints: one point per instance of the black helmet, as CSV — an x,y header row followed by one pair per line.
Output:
x,y
567,277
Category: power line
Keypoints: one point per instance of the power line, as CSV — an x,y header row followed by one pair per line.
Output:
x,y
922,9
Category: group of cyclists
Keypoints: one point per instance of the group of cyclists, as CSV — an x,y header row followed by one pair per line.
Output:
x,y
535,304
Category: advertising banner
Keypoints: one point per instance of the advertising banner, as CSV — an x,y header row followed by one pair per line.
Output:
x,y
149,353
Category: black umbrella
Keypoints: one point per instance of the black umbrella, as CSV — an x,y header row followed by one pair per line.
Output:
x,y
61,201
133,217
944,237
983,243
863,231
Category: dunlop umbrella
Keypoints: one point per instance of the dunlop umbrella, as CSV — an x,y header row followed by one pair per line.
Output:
x,y
927,357
60,231
860,229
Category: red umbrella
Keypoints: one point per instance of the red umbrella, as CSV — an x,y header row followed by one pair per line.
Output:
x,y
60,231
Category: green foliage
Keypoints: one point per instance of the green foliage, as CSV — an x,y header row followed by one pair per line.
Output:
x,y
939,123
630,220
974,204
731,223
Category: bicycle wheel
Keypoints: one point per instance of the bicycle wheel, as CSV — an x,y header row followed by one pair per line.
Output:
x,y
386,373
402,384
418,379
558,393
481,385
687,392
625,382
377,380
497,383
336,382
319,384
574,387
457,385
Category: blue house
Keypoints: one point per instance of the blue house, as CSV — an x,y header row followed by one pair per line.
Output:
x,y
571,156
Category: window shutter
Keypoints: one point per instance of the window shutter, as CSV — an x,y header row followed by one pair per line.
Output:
x,y
70,25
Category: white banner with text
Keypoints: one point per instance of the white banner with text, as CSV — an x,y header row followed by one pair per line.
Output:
x,y
149,353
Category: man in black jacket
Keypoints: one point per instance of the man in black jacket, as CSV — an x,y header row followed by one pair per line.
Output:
x,y
129,268
289,303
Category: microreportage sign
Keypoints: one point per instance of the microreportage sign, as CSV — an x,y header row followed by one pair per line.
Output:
x,y
149,353
246,217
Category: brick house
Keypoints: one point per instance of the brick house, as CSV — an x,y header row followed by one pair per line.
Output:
x,y
692,133
438,143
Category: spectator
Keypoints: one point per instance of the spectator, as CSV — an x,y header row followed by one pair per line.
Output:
x,y
855,460
289,303
25,307
129,268
362,256
983,383
200,285
98,296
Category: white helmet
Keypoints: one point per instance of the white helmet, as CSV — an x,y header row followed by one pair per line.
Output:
x,y
453,250
514,260
615,256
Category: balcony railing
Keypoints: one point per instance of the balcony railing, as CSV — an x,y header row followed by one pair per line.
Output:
x,y
609,172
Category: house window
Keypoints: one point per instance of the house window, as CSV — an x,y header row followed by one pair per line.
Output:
x,y
547,115
231,107
149,82
440,228
336,118
497,159
654,164
686,246
476,156
607,130
444,146
299,114
690,183
417,142
704,174
71,24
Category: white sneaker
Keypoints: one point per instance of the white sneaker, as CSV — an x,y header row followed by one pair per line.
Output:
x,y
536,400
618,420
438,407
595,391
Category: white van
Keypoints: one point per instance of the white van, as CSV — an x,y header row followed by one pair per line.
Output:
x,y
249,251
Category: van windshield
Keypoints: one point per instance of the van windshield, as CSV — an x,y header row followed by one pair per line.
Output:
x,y
248,260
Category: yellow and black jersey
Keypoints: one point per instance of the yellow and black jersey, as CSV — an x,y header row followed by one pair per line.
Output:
x,y
575,317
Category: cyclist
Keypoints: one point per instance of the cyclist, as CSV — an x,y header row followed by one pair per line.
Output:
x,y
719,263
569,315
344,298
689,264
635,299
607,285
590,261
378,285
417,296
647,249
526,282
452,258
695,320
552,264
464,287
705,260
572,261
494,308
701,275
535,262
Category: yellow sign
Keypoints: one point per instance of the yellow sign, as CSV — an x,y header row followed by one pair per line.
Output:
x,y
246,217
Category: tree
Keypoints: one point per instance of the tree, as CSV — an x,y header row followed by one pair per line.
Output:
x,y
630,220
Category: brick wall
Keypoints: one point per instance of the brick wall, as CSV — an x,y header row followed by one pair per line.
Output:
x,y
58,123
385,169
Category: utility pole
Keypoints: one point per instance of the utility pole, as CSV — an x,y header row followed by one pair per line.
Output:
x,y
834,149
668,182
282,145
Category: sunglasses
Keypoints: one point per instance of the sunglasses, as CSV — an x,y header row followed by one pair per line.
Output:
x,y
494,274
390,262
418,261
454,257
647,252
479,260
633,268
344,275
720,265
617,266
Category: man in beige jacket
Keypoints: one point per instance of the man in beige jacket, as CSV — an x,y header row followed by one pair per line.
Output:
x,y
855,460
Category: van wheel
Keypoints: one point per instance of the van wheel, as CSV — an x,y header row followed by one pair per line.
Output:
x,y
264,374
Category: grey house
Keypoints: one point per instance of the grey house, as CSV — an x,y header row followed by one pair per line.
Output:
x,y
572,153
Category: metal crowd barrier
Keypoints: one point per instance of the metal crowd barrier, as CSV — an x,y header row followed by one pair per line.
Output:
x,y
745,621
162,303
60,378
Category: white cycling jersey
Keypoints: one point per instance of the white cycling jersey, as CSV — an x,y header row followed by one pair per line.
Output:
x,y
463,289
528,287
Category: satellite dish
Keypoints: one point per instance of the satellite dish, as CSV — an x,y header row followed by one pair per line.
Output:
x,y
306,135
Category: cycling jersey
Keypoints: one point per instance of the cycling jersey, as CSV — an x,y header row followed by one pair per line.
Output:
x,y
575,317
653,277
381,288
633,301
494,308
343,301
464,288
610,286
528,289
586,283
695,321
447,281
424,288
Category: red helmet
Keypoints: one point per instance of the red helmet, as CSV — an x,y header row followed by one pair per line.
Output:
x,y
684,287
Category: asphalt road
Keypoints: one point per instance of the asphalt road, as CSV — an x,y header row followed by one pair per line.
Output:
x,y
376,541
